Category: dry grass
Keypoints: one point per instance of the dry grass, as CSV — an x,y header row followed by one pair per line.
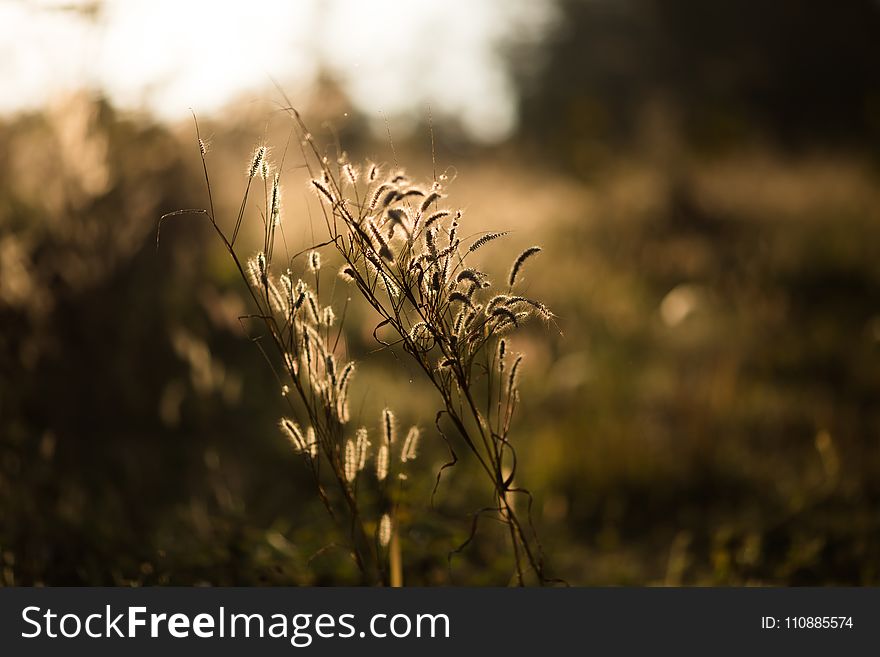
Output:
x,y
404,251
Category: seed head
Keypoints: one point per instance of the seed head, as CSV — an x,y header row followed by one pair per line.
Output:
x,y
330,368
322,188
484,240
381,244
362,448
275,205
346,273
262,265
434,218
410,445
257,161
385,530
351,468
314,262
374,200
294,434
382,462
350,173
277,299
513,377
429,199
253,270
520,261
388,425
312,442
504,315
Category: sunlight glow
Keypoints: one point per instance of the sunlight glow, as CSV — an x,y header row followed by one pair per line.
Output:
x,y
167,55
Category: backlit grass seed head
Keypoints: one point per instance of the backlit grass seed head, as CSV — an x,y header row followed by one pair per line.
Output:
x,y
389,198
420,332
275,205
385,530
431,242
513,377
346,273
322,188
373,172
382,462
484,240
314,262
351,463
520,261
460,298
362,448
312,442
345,376
307,349
277,299
410,448
398,217
389,426
342,411
430,199
502,348
342,392
381,244
377,194
350,173
329,317
330,369
413,191
314,313
537,306
293,301
434,218
459,322
504,315
262,265
253,270
497,302
257,161
203,148
376,269
294,434
472,275
286,284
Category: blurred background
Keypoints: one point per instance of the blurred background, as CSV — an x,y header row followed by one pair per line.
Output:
x,y
703,178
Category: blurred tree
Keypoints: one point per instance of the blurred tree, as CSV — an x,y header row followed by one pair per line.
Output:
x,y
783,71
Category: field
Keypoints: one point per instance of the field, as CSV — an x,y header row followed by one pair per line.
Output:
x,y
576,292
702,409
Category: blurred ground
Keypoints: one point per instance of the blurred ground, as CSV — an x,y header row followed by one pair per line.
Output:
x,y
704,413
